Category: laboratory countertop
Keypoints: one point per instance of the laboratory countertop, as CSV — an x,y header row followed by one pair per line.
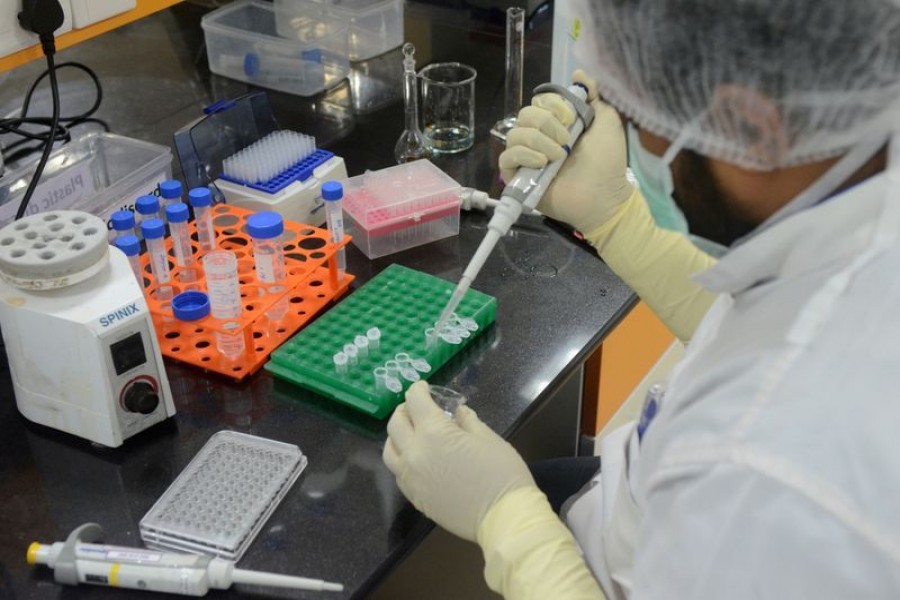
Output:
x,y
344,520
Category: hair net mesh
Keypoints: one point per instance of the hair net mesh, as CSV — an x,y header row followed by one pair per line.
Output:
x,y
759,83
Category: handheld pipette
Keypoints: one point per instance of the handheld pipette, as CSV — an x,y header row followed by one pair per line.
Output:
x,y
79,560
521,194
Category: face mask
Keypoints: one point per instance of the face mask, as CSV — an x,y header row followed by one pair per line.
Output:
x,y
655,179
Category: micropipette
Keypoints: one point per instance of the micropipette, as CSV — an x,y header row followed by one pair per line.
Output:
x,y
520,195
79,560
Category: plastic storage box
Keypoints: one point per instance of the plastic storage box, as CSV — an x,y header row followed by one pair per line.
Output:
x,y
301,56
376,26
99,173
401,207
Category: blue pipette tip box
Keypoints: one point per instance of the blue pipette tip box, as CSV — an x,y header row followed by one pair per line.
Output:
x,y
301,171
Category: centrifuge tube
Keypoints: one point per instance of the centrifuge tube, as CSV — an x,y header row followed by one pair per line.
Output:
x,y
178,215
131,246
122,222
352,353
374,335
230,341
421,365
201,201
380,374
515,61
362,343
340,363
393,368
170,191
154,231
265,228
224,291
146,207
332,195
411,145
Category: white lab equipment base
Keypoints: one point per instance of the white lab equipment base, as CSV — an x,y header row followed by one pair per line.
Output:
x,y
83,356
300,202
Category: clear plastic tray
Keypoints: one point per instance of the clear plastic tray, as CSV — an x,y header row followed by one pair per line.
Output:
x,y
401,207
302,56
223,497
376,26
98,173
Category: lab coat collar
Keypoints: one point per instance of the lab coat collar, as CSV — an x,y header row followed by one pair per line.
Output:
x,y
831,231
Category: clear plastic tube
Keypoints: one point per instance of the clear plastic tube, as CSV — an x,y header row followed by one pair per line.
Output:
x,y
154,231
374,335
341,361
224,290
201,202
333,194
515,62
362,343
352,353
177,215
130,245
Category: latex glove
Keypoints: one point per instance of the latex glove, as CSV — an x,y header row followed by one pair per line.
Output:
x,y
451,470
591,185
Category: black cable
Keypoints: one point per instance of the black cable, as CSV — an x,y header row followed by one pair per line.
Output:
x,y
14,125
48,144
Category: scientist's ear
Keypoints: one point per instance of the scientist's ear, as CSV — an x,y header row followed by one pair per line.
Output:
x,y
753,121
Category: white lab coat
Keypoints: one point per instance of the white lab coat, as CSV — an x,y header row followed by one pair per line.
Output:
x,y
773,467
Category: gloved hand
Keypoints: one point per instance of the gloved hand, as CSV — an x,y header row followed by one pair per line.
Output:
x,y
451,470
591,185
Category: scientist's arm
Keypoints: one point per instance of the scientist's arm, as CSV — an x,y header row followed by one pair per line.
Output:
x,y
592,193
474,484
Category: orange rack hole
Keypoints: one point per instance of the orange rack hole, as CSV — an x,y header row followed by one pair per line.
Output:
x,y
269,317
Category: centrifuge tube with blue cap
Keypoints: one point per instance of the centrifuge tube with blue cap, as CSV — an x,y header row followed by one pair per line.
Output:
x,y
154,231
201,201
146,207
171,192
131,246
122,222
265,229
178,215
333,194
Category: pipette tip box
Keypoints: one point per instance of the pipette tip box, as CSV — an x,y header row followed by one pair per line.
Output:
x,y
221,500
402,303
401,207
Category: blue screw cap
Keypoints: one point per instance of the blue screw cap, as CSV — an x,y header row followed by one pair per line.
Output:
x,y
200,197
332,190
170,189
122,220
177,212
129,244
147,205
265,225
153,229
190,306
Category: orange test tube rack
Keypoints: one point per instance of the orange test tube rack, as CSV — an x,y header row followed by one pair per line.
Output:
x,y
268,319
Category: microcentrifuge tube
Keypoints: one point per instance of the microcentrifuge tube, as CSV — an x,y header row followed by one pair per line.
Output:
x,y
469,323
352,353
340,363
154,231
380,374
374,335
409,374
411,145
393,368
362,344
393,384
421,365
177,215
201,201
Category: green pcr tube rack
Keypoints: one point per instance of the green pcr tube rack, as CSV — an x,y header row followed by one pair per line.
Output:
x,y
402,304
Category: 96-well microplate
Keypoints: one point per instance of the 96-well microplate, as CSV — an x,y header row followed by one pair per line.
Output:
x,y
223,497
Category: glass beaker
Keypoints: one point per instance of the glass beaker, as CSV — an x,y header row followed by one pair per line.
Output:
x,y
448,106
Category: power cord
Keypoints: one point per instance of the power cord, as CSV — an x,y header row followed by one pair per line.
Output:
x,y
15,125
43,17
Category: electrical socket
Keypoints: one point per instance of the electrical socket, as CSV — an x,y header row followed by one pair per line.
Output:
x,y
12,37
